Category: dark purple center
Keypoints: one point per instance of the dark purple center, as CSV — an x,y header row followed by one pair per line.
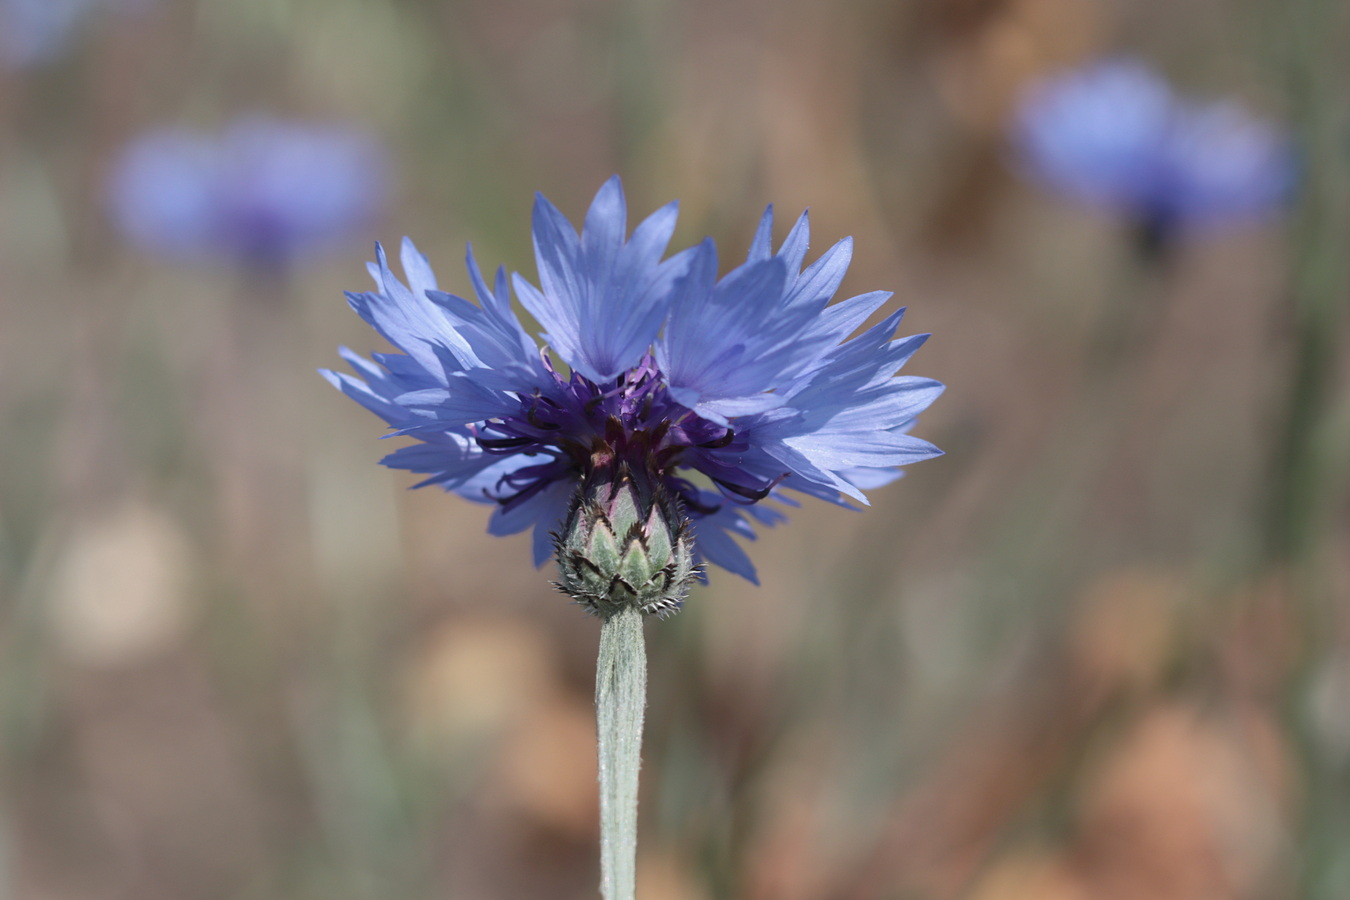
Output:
x,y
582,428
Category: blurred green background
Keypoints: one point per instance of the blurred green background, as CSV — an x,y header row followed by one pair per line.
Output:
x,y
1099,650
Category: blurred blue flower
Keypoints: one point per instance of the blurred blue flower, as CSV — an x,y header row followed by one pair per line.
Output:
x,y
1115,136
726,391
34,32
263,194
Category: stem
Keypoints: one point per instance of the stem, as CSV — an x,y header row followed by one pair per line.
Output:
x,y
1319,276
620,700
1300,508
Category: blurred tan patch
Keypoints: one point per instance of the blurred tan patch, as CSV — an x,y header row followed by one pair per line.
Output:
x,y
472,680
546,770
796,849
981,79
665,875
121,587
1124,628
486,692
169,772
1183,808
453,561
1030,876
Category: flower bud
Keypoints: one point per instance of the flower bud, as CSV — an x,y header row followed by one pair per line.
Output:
x,y
625,542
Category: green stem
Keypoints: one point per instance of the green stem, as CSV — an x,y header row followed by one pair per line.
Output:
x,y
1300,507
1319,273
620,700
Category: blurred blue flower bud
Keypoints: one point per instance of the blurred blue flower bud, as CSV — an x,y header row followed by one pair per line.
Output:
x,y
1113,135
264,194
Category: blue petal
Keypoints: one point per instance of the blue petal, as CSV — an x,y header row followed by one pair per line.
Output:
x,y
723,411
761,245
796,243
603,299
485,486
718,335
833,452
805,468
420,276
606,226
561,307
464,400
378,391
741,345
868,360
898,400
822,278
497,303
451,460
411,322
843,318
870,479
713,541
544,512
499,359
850,418
360,392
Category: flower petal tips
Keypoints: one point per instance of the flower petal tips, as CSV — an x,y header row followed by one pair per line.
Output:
x,y
664,407
604,297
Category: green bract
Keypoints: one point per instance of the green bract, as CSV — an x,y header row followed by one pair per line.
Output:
x,y
625,542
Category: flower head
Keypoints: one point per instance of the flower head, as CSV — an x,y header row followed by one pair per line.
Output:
x,y
263,194
684,394
1114,135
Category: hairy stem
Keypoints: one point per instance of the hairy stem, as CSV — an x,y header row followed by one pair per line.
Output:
x,y
620,700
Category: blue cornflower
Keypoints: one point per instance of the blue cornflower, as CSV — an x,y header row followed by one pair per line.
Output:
x,y
715,393
263,194
1115,136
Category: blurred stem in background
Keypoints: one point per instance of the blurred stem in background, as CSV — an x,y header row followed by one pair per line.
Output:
x,y
1312,62
1319,281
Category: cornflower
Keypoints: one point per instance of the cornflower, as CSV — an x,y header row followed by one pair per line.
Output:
x,y
1115,136
263,194
665,406
703,396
